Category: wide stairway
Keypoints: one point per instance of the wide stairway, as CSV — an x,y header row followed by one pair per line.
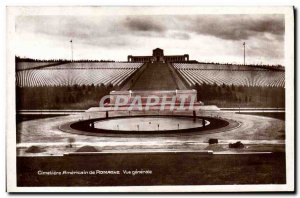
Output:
x,y
157,76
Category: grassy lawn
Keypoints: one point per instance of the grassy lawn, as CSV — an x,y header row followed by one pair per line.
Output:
x,y
167,169
278,115
157,76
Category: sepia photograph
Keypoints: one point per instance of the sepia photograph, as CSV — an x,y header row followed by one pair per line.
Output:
x,y
150,99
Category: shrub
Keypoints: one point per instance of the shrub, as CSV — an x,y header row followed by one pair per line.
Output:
x,y
34,149
87,149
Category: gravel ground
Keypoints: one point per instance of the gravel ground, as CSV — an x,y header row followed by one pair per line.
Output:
x,y
257,132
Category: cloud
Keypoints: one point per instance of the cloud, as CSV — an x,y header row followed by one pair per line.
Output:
x,y
68,26
180,35
201,35
227,27
144,24
235,27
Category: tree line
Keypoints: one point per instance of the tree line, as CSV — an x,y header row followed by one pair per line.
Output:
x,y
240,96
19,59
61,97
84,97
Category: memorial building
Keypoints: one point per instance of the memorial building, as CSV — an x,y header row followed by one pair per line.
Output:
x,y
158,56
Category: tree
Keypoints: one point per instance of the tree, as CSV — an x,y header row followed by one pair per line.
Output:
x,y
71,141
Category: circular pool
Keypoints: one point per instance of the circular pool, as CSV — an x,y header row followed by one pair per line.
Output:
x,y
145,124
154,123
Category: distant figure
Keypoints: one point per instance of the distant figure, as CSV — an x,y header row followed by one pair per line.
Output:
x,y
93,126
106,114
203,122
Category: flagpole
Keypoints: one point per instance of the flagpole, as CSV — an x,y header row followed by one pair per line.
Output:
x,y
71,50
244,53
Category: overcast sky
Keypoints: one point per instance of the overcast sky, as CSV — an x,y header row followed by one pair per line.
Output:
x,y
209,38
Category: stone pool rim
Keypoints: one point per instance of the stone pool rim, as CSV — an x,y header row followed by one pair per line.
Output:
x,y
82,127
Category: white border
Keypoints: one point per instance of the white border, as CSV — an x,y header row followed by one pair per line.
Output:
x,y
12,12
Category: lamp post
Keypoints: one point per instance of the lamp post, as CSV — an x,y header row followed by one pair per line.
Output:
x,y
71,50
244,44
